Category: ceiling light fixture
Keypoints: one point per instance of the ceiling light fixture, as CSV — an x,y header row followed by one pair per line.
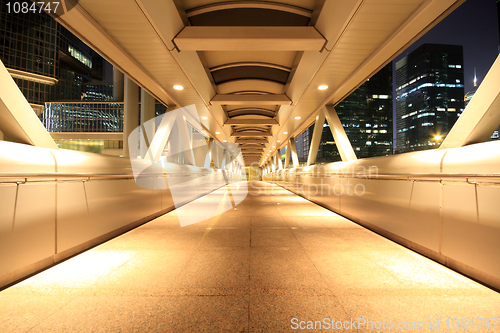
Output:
x,y
323,87
217,132
297,118
178,87
285,132
204,118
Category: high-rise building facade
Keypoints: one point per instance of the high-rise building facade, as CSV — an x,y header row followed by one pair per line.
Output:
x,y
28,51
366,115
429,95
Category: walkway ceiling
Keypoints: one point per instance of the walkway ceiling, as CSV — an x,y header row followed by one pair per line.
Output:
x,y
253,68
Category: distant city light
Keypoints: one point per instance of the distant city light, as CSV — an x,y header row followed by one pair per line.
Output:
x,y
438,137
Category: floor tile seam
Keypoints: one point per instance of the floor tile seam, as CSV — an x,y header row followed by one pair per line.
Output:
x,y
52,313
390,272
327,283
406,292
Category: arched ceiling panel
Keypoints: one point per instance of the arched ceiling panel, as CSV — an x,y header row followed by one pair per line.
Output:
x,y
190,5
248,17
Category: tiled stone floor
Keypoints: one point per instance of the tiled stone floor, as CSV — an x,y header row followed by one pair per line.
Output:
x,y
253,269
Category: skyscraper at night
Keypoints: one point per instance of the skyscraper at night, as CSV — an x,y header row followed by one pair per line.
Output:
x,y
429,95
366,115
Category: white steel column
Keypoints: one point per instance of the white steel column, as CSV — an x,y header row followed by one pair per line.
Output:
x,y
316,137
147,113
339,135
130,112
287,156
280,163
118,81
17,120
187,139
214,151
293,151
222,158
482,115
210,157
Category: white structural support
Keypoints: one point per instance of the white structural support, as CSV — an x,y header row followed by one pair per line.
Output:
x,y
293,151
280,163
147,113
187,140
245,99
118,82
18,122
212,153
482,115
270,122
339,135
287,155
222,158
183,118
249,39
130,112
229,162
316,137
251,134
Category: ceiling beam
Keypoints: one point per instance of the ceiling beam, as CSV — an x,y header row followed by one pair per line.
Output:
x,y
251,122
251,133
222,99
251,146
251,141
249,39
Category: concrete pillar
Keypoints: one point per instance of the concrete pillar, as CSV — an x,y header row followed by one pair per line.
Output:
x,y
131,112
147,113
118,83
